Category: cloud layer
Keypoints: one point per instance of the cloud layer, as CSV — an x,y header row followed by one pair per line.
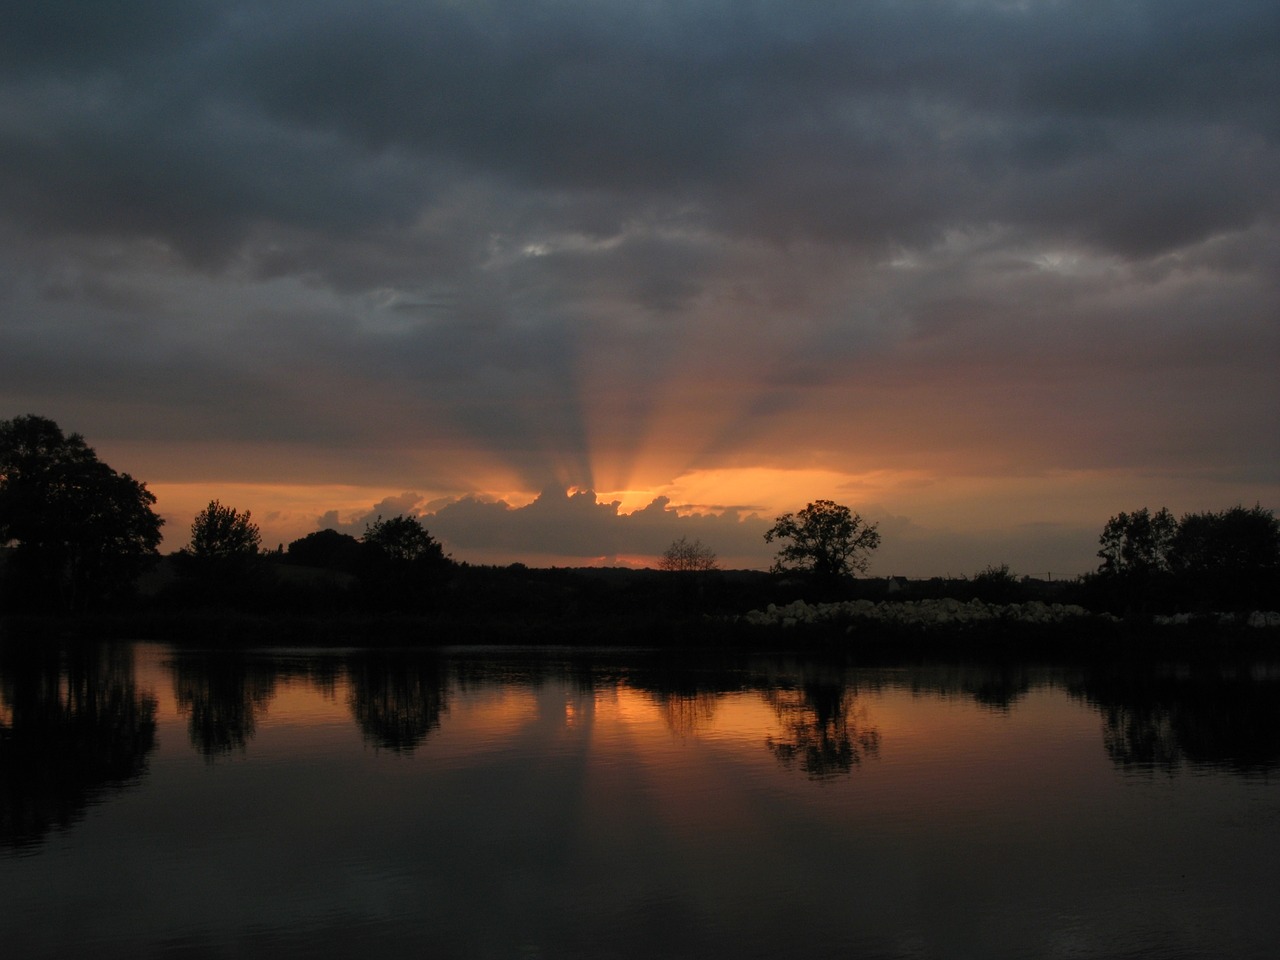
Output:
x,y
474,249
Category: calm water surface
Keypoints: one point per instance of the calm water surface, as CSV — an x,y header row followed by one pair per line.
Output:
x,y
167,802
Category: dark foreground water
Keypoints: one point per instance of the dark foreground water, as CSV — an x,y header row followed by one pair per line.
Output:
x,y
164,802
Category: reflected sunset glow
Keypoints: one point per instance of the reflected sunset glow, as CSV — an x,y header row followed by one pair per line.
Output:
x,y
585,804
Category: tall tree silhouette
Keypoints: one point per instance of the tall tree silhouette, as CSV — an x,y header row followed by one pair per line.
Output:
x,y
1229,559
83,532
402,563
826,540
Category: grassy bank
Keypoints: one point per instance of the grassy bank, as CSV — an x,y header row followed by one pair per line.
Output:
x,y
1087,636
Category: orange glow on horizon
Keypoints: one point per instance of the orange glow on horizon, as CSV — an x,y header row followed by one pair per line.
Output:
x,y
769,491
923,508
283,512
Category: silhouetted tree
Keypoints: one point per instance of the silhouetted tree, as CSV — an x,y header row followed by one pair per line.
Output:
x,y
685,557
1137,544
1133,577
402,563
221,564
83,532
327,549
996,584
223,534
403,540
827,540
1229,560
1205,561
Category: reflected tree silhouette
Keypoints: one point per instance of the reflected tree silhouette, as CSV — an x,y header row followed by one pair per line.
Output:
x,y
222,694
688,693
825,730
73,728
686,713
1207,717
397,698
998,686
1137,736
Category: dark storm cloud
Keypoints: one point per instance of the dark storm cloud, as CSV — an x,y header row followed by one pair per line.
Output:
x,y
869,121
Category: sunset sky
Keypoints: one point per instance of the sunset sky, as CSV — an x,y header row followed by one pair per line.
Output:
x,y
572,278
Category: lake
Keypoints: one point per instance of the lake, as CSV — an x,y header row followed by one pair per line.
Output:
x,y
169,802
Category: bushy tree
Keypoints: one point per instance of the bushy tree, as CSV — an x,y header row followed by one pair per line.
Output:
x,y
222,563
327,548
1205,561
222,533
401,565
825,539
996,584
82,532
1229,559
1133,577
685,557
1138,543
403,540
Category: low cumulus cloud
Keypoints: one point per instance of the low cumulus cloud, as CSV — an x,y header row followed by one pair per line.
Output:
x,y
577,528
569,527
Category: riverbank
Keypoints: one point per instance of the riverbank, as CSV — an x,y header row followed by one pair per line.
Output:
x,y
860,627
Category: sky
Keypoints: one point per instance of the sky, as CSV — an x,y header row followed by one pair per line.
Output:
x,y
570,279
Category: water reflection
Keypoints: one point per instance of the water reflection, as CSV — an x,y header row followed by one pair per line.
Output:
x,y
397,697
588,804
1204,715
825,731
73,728
73,723
687,694
1160,718
222,694
999,685
687,714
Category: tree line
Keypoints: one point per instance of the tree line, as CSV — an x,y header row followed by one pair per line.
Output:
x,y
1226,560
76,535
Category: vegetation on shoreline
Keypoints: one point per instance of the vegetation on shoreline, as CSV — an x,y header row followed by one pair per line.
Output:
x,y
79,543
